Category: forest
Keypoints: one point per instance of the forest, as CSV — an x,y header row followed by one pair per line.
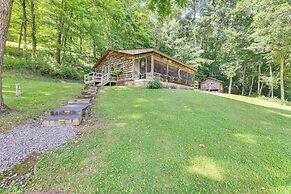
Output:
x,y
245,43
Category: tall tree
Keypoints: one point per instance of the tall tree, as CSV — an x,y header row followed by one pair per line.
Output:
x,y
24,22
271,33
5,15
33,36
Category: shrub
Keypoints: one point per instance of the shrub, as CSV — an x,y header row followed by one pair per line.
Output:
x,y
154,84
69,72
116,73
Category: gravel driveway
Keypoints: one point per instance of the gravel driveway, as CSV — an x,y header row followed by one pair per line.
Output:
x,y
20,142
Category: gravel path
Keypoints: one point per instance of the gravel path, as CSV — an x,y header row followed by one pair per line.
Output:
x,y
20,142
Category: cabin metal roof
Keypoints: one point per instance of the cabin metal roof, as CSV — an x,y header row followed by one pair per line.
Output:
x,y
142,51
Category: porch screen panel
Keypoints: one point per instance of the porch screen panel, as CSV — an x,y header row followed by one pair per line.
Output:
x,y
160,68
173,71
149,64
190,78
183,75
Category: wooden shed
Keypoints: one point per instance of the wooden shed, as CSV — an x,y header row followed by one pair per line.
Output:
x,y
139,66
212,85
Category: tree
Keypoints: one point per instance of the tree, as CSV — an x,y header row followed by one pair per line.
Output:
x,y
271,33
5,15
229,69
24,22
33,36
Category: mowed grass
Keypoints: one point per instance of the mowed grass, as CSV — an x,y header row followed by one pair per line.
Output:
x,y
39,94
147,141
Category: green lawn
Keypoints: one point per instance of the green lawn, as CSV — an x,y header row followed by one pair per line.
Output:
x,y
39,94
147,141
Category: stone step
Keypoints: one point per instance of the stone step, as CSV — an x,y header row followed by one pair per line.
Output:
x,y
91,87
81,109
90,96
80,101
63,120
88,93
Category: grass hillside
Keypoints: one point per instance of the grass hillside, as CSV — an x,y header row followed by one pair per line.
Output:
x,y
39,94
148,141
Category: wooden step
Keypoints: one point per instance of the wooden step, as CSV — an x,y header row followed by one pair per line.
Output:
x,y
81,109
80,101
63,120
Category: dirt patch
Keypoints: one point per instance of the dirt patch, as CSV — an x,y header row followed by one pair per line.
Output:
x,y
7,110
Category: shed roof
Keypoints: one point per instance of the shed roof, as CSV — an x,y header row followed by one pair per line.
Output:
x,y
141,51
214,79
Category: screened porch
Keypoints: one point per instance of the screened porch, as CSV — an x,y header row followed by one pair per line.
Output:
x,y
150,68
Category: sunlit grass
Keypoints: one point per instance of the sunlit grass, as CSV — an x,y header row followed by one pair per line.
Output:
x,y
205,167
38,94
266,102
148,141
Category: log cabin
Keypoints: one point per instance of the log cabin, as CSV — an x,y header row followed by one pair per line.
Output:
x,y
137,67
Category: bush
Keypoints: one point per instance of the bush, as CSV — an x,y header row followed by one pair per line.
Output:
x,y
45,65
154,84
69,72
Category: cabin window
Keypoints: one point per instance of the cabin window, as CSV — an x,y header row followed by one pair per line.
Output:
x,y
160,67
120,66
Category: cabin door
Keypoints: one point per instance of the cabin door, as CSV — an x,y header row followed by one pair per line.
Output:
x,y
140,69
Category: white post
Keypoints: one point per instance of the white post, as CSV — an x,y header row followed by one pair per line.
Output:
x,y
18,90
101,78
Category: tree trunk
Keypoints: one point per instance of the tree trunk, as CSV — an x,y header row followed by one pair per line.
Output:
x,y
272,83
94,50
24,21
259,80
20,36
230,85
59,43
64,50
251,87
243,81
261,88
59,35
282,79
33,37
5,15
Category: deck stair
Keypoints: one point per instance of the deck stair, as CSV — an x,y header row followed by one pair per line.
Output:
x,y
75,111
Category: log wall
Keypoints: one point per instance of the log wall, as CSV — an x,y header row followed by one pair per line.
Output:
x,y
114,60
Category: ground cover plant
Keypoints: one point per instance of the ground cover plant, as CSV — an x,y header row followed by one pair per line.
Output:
x,y
172,141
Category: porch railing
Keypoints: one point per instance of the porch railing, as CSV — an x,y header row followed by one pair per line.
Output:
x,y
98,78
